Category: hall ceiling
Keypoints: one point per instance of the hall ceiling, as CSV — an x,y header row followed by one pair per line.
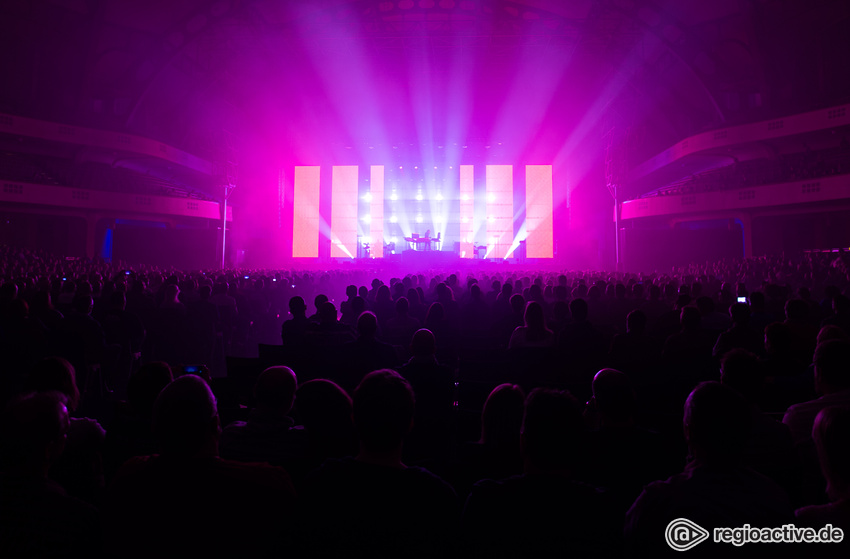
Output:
x,y
146,66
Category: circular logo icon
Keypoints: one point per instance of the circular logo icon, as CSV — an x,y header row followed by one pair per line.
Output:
x,y
682,534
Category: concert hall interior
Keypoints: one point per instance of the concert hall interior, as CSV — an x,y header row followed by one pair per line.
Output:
x,y
593,134
423,278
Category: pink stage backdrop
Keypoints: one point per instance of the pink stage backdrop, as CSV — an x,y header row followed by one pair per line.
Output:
x,y
500,210
467,211
344,211
305,222
538,211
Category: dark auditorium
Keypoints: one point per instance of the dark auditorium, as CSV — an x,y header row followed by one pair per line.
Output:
x,y
425,278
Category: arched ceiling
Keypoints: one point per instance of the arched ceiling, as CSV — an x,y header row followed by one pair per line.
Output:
x,y
181,70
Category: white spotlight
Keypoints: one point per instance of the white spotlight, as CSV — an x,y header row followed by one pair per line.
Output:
x,y
491,197
393,219
491,219
366,240
367,218
368,196
439,197
394,197
419,197
464,219
464,197
418,219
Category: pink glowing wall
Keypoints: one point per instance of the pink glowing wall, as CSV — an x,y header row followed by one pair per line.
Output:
x,y
344,211
467,210
500,210
376,211
538,211
305,223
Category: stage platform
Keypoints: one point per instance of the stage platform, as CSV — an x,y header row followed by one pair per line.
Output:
x,y
429,258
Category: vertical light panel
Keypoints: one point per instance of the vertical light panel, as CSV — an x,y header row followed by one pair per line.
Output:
x,y
467,211
344,211
500,210
305,220
376,210
538,211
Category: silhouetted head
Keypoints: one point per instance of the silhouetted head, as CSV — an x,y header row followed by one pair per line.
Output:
x,y
716,422
614,395
83,303
690,318
796,310
534,319
413,297
34,430
741,371
777,338
383,406
367,325
327,313
831,366
185,418
402,306
275,389
517,304
423,343
740,313
654,292
319,300
54,374
383,294
535,292
436,314
831,332
636,321
297,306
578,310
501,418
324,408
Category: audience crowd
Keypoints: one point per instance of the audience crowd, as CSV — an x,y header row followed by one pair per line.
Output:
x,y
491,412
